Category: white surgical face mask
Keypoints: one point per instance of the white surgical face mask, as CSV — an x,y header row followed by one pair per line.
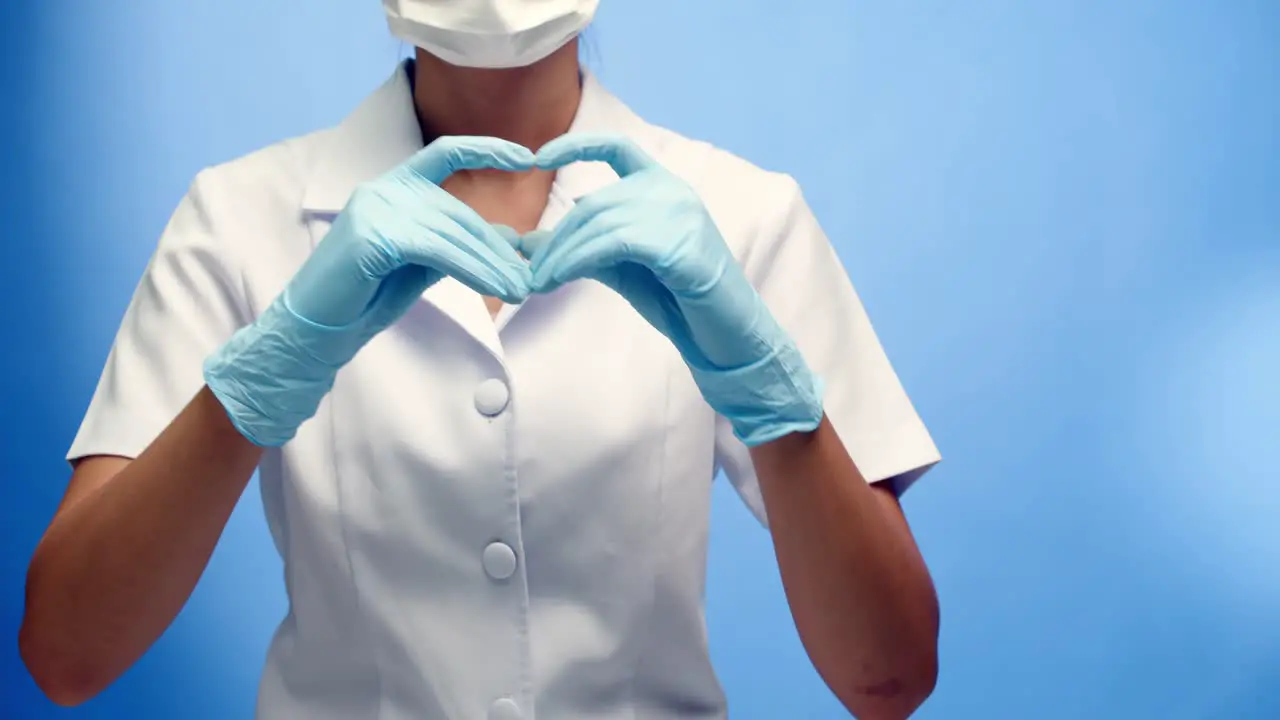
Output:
x,y
489,33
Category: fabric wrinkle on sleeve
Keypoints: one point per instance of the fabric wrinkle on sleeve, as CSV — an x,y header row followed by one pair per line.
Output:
x,y
797,272
188,302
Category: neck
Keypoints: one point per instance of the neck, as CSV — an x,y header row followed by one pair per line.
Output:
x,y
527,105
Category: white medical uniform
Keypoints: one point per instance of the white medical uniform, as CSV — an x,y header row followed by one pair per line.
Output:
x,y
492,520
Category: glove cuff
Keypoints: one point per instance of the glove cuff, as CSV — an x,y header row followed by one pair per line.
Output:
x,y
272,374
767,399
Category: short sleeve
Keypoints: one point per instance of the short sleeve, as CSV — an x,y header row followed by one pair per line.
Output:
x,y
188,302
799,275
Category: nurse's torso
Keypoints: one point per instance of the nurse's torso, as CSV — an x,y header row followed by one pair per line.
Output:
x,y
508,518
492,518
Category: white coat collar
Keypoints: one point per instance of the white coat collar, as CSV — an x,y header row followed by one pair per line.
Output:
x,y
383,132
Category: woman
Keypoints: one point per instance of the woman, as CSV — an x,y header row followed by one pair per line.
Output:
x,y
488,474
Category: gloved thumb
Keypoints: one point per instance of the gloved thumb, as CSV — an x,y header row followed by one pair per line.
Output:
x,y
530,242
526,244
509,234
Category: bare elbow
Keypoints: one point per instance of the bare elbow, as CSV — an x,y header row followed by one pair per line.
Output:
x,y
896,698
60,681
61,667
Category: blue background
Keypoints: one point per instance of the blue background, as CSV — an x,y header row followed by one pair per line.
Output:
x,y
1063,216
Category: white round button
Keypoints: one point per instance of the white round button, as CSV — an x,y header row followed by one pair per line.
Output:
x,y
505,709
499,561
492,396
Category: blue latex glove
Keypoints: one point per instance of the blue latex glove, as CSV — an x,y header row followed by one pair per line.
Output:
x,y
650,239
396,237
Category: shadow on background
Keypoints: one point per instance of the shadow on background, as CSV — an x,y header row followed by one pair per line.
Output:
x,y
1063,217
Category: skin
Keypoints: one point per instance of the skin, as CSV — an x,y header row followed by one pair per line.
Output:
x,y
132,537
859,591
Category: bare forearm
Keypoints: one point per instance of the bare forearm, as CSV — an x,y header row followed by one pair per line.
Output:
x,y
118,564
860,594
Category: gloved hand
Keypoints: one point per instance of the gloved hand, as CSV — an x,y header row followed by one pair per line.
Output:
x,y
396,237
649,238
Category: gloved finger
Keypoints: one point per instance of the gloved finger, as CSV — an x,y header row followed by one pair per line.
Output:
x,y
595,246
463,221
523,244
593,258
532,241
447,155
581,213
625,157
455,252
563,234
511,286
509,234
